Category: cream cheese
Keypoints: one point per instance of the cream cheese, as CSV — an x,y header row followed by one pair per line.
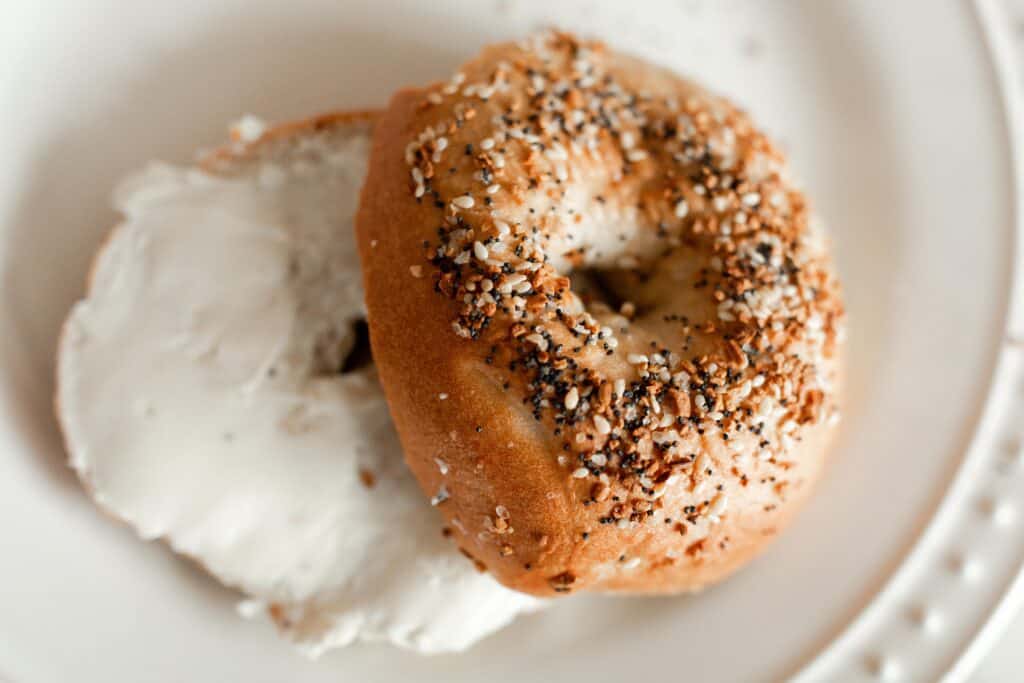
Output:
x,y
201,398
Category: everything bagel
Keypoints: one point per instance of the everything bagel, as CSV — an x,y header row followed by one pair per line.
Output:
x,y
608,333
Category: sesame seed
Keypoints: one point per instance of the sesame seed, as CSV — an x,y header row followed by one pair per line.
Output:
x,y
580,473
636,155
441,496
602,425
572,399
443,396
636,359
537,340
492,189
752,199
480,251
632,563
682,208
463,202
557,153
442,466
718,504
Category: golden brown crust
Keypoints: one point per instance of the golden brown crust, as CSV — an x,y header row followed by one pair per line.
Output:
x,y
568,446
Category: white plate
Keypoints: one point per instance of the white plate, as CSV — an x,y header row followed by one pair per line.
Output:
x,y
893,114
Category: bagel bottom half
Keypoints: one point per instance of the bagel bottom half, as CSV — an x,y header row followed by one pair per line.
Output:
x,y
215,391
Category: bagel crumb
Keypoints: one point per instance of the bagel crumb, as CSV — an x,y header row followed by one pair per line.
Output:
x,y
367,478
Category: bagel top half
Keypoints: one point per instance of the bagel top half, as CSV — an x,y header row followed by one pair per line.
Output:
x,y
607,330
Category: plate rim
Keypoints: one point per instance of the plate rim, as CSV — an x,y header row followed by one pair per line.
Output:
x,y
992,17
1000,54
859,649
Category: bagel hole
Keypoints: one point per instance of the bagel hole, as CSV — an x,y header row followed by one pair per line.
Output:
x,y
359,355
603,287
343,349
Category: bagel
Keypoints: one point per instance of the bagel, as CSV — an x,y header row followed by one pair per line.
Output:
x,y
212,394
595,293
